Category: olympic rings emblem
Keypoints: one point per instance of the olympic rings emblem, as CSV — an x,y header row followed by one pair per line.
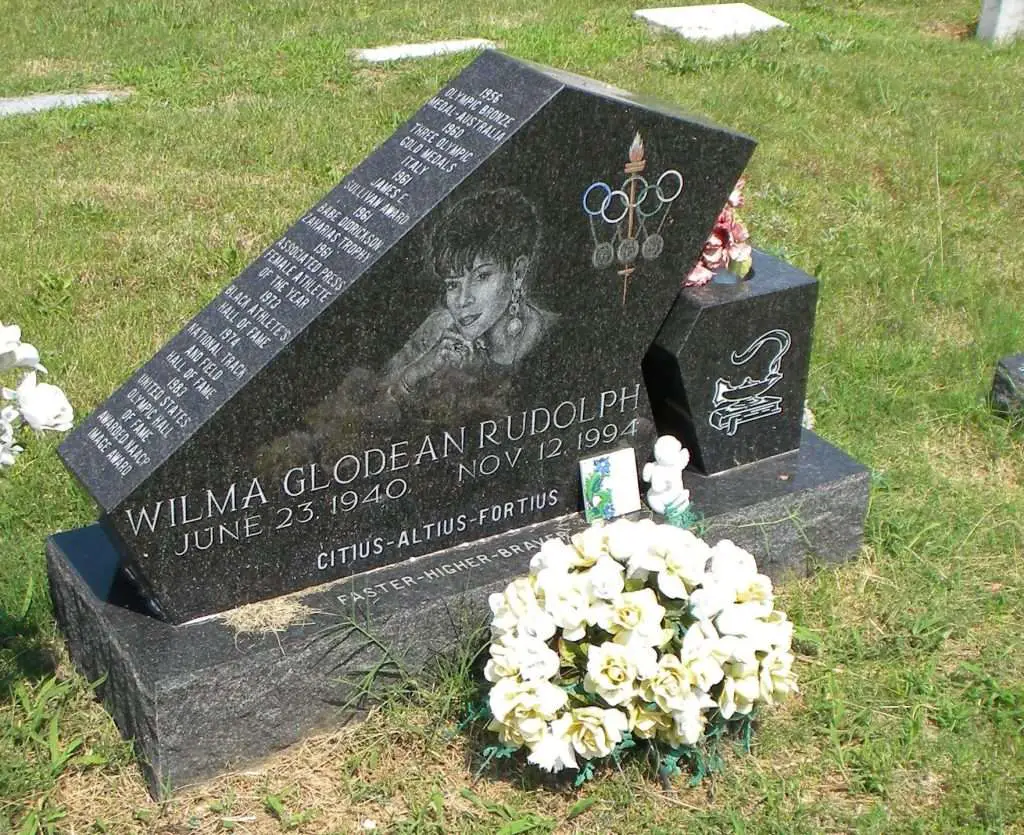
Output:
x,y
668,179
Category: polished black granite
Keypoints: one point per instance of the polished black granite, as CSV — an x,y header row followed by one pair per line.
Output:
x,y
422,359
727,372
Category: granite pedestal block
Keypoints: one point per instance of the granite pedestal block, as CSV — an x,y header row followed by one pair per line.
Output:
x,y
727,372
1008,388
200,698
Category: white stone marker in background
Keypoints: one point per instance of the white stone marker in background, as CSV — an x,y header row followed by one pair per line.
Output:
x,y
419,50
1001,20
711,23
51,101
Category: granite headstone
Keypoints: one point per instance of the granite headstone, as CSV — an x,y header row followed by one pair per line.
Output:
x,y
423,358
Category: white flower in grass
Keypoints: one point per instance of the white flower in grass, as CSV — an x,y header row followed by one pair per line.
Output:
x,y
646,723
526,706
634,618
567,601
738,695
685,558
518,610
42,406
9,454
613,670
594,731
553,554
777,679
554,750
605,579
17,354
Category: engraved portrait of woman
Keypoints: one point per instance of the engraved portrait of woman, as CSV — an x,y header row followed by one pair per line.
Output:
x,y
459,363
483,253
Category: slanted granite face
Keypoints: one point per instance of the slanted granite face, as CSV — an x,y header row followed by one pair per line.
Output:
x,y
727,371
1008,388
424,356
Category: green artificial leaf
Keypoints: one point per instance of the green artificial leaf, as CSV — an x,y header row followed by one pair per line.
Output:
x,y
585,773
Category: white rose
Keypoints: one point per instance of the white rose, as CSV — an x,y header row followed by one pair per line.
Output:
x,y
523,656
738,695
776,632
605,578
699,654
554,750
595,731
526,706
612,670
713,595
646,723
567,601
43,406
553,554
685,559
777,679
517,610
740,619
622,539
633,618
756,592
670,685
688,722
589,545
732,563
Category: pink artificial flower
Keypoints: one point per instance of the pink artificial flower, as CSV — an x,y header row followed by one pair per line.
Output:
x,y
714,254
738,232
698,277
736,198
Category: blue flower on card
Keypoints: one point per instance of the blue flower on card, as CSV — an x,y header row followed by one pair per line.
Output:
x,y
603,466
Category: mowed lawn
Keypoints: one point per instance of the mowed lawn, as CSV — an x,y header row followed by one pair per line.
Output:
x,y
891,165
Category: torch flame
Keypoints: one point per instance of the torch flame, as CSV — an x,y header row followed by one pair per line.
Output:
x,y
636,150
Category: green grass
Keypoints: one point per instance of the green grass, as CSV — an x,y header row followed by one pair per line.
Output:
x,y
891,165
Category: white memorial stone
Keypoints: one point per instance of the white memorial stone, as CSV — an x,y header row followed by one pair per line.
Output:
x,y
711,23
51,101
398,52
1001,20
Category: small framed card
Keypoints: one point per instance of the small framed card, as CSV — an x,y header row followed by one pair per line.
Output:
x,y
610,484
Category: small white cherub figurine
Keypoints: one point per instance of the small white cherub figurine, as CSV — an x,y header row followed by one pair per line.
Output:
x,y
665,474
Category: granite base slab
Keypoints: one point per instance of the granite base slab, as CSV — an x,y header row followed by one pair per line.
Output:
x,y
792,511
201,698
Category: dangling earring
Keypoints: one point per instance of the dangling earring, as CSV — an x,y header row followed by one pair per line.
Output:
x,y
515,323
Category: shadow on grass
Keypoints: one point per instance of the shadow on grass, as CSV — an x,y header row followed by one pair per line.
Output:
x,y
25,652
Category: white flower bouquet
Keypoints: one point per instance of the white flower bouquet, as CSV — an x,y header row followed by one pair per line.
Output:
x,y
40,406
635,631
